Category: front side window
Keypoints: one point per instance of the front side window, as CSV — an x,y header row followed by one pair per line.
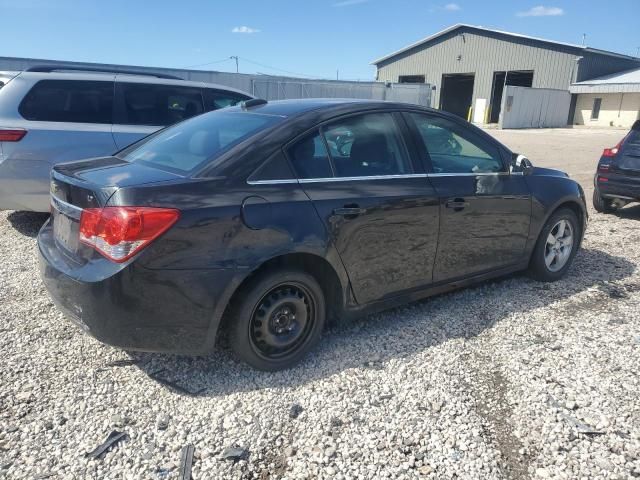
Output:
x,y
367,145
217,99
72,101
452,148
156,105
192,144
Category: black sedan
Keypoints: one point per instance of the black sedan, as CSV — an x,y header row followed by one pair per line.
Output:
x,y
617,180
267,219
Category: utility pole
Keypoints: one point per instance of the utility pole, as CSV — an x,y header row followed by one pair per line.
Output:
x,y
638,52
235,57
584,39
337,74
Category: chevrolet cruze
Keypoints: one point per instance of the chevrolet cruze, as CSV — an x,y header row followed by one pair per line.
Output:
x,y
266,220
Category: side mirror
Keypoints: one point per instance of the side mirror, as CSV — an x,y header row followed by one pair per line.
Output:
x,y
521,164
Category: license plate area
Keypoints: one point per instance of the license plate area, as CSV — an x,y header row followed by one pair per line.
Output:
x,y
65,231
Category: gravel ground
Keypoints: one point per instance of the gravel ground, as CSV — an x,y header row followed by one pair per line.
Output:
x,y
511,379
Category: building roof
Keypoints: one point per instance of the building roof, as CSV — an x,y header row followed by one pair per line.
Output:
x,y
481,29
621,82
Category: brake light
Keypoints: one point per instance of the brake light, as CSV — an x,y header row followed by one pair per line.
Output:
x,y
12,134
612,152
119,233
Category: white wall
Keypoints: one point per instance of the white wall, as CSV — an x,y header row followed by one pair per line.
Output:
x,y
617,109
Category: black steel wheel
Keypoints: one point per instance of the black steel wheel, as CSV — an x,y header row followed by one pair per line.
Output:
x,y
277,319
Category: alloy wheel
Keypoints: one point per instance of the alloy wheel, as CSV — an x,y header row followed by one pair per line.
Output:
x,y
558,246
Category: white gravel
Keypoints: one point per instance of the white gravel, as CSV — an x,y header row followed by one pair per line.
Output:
x,y
512,379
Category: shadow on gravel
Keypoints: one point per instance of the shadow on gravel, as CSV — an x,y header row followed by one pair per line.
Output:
x,y
398,333
27,223
632,212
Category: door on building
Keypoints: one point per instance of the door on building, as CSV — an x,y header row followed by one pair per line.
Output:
x,y
517,78
457,93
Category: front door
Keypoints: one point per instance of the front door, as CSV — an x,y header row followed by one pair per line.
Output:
x,y
484,210
381,212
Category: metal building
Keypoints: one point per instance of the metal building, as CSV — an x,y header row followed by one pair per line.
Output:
x,y
469,66
269,87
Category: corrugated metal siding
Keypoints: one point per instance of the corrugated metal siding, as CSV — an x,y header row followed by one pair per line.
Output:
x,y
263,86
483,54
534,108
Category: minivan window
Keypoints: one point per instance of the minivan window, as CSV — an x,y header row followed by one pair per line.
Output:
x,y
185,147
217,99
156,105
69,101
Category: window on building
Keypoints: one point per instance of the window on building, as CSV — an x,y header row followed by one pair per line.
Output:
x,y
595,111
69,101
411,79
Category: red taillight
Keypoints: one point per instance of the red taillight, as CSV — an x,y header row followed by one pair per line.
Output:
x,y
612,152
118,233
12,134
603,179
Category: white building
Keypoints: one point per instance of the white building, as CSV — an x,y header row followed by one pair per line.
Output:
x,y
609,101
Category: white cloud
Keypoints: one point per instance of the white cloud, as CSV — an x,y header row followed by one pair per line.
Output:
x,y
346,3
452,7
541,11
244,29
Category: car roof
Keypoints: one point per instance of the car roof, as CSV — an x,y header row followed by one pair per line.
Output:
x,y
124,77
295,107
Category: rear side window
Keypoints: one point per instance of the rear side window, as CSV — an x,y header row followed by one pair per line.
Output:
x,y
190,145
367,145
310,158
629,156
217,99
156,105
69,101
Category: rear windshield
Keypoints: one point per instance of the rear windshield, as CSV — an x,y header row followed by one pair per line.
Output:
x,y
191,144
629,157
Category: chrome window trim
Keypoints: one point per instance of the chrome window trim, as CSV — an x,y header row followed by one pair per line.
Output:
x,y
379,177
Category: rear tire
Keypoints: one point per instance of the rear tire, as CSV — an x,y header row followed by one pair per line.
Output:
x,y
556,247
276,319
601,204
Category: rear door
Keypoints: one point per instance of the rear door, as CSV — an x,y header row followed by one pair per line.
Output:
x,y
143,108
378,207
484,210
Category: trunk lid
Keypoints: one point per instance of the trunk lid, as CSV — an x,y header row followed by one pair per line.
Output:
x,y
90,184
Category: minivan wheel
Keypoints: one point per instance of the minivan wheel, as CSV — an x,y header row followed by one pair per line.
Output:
x,y
556,247
277,319
601,204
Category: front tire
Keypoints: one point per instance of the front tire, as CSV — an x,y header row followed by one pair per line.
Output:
x,y
556,247
601,204
276,319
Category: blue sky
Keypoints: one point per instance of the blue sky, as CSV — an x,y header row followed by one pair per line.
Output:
x,y
313,37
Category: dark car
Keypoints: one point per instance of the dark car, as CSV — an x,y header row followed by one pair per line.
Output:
x,y
617,181
265,220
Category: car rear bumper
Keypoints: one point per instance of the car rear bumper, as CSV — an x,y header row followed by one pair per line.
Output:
x,y
618,187
132,307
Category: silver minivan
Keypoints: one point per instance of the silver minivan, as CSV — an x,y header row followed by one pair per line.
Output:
x,y
49,116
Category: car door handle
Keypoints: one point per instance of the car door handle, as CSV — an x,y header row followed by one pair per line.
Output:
x,y
348,211
457,204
